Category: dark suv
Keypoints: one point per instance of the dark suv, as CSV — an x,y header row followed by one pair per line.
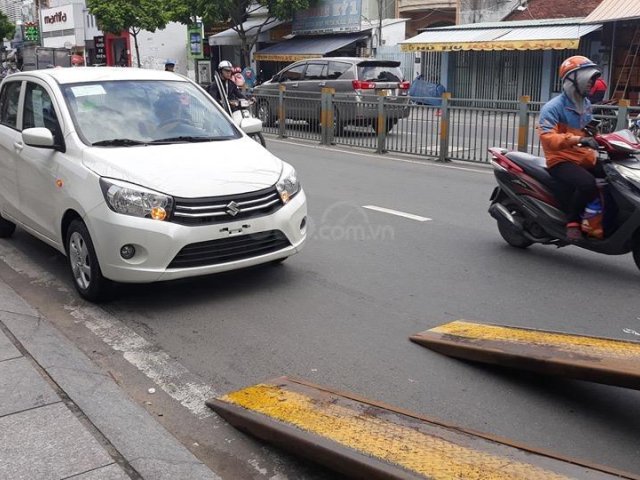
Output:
x,y
357,83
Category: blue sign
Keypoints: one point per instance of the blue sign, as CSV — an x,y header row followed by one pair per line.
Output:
x,y
329,16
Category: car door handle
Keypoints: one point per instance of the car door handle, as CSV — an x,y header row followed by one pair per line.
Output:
x,y
294,85
323,84
18,146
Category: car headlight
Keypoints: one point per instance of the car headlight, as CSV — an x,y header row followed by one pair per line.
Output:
x,y
129,199
288,184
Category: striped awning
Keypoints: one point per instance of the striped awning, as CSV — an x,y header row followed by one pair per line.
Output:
x,y
529,35
611,10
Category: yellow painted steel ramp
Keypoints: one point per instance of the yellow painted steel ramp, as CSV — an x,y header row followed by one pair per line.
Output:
x,y
601,360
363,439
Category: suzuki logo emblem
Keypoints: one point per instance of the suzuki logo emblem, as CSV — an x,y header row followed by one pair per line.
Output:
x,y
232,209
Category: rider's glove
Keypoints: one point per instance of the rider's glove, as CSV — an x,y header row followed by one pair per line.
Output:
x,y
589,142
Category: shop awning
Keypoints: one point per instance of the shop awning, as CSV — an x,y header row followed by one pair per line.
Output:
x,y
555,34
302,48
611,10
231,37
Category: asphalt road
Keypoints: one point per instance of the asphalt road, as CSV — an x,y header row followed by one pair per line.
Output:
x,y
340,314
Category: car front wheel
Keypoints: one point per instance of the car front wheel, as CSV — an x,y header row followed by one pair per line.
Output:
x,y
83,263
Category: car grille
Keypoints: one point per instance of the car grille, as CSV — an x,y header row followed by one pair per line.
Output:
x,y
204,211
230,249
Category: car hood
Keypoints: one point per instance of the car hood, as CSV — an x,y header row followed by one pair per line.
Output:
x,y
190,170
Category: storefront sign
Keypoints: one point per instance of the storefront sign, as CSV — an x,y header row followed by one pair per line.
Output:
x,y
100,49
31,32
329,16
497,45
194,33
59,18
274,57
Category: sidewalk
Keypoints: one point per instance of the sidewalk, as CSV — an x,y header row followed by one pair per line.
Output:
x,y
61,417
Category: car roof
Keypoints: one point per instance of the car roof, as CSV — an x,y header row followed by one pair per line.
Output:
x,y
95,74
353,60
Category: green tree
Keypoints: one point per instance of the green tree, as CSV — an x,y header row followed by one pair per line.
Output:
x,y
7,29
115,16
236,13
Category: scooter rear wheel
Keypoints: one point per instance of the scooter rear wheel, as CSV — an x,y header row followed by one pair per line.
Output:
x,y
509,233
636,251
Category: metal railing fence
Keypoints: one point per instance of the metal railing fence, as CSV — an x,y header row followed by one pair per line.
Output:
x,y
443,128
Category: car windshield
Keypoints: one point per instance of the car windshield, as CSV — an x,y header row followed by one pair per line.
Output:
x,y
379,73
139,112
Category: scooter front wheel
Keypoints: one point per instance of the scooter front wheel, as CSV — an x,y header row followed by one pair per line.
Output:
x,y
258,137
509,233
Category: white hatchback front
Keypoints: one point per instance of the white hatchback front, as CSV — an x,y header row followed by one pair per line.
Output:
x,y
138,176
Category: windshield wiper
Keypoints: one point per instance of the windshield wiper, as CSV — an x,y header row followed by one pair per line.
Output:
x,y
118,142
187,138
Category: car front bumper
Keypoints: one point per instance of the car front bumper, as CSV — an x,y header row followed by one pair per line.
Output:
x,y
157,243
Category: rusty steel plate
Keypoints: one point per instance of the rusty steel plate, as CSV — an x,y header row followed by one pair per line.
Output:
x,y
601,360
363,439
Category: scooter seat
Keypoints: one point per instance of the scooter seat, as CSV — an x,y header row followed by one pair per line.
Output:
x,y
536,167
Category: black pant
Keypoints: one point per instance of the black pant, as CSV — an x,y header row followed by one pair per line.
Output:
x,y
584,183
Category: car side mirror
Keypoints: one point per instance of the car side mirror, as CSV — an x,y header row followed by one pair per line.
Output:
x,y
39,137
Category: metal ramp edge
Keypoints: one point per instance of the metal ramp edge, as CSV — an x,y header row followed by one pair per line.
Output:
x,y
595,359
360,438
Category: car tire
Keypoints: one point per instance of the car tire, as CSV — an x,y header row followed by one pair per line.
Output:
x,y
83,264
265,115
338,126
389,124
6,228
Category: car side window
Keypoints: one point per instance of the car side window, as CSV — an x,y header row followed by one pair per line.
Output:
x,y
336,69
293,74
9,98
39,111
316,71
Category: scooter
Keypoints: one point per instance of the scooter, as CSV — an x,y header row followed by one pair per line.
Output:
x,y
527,203
240,111
243,117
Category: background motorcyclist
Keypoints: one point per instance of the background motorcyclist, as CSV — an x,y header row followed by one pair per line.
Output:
x,y
169,65
569,154
233,93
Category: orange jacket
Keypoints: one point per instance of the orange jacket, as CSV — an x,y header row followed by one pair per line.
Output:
x,y
560,129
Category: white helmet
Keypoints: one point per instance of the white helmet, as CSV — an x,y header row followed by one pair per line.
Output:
x,y
225,64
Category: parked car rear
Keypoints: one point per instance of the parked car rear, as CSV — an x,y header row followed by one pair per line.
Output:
x,y
358,82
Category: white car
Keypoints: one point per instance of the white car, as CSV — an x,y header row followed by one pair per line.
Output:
x,y
139,176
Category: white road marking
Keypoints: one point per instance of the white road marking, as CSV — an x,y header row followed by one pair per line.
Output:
x,y
171,376
397,213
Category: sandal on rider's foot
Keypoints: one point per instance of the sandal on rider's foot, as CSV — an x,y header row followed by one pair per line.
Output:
x,y
574,233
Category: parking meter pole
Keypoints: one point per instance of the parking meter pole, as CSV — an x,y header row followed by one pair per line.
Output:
x,y
281,116
381,124
623,109
523,123
444,128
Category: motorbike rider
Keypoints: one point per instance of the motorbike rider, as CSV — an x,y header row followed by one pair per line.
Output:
x,y
571,156
225,70
169,65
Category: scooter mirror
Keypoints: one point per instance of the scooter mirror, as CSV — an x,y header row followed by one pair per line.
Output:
x,y
251,125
